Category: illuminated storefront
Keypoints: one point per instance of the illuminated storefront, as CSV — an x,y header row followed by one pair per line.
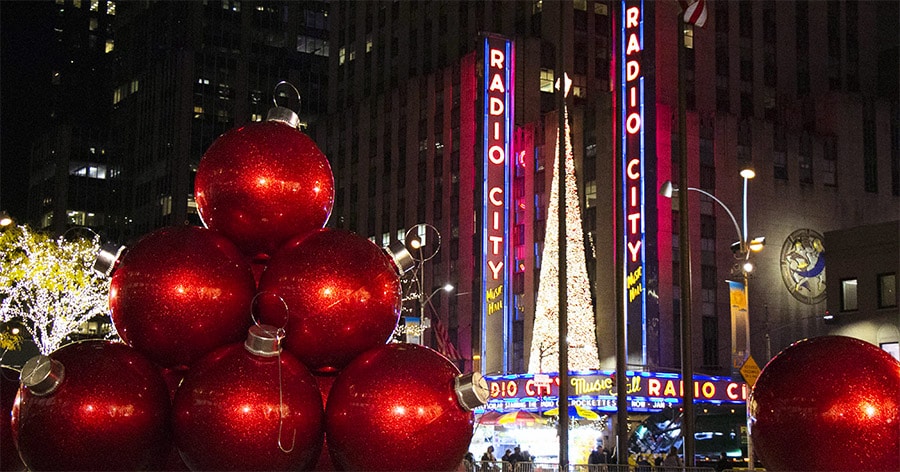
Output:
x,y
648,392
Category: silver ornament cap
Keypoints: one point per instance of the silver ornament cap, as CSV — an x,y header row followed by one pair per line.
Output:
x,y
401,256
42,375
263,340
283,115
107,258
471,390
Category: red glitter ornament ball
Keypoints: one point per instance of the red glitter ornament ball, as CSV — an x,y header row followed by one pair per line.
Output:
x,y
263,184
828,403
9,455
93,405
342,294
181,292
230,413
395,408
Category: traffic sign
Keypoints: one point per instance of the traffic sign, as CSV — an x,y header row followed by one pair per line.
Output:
x,y
750,371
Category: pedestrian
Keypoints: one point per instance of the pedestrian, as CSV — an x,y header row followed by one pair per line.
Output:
x,y
672,459
488,460
469,461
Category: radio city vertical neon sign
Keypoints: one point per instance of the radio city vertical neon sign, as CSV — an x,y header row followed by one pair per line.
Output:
x,y
498,103
632,132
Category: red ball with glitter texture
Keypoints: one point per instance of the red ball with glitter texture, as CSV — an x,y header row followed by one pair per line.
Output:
x,y
263,184
342,294
181,292
108,410
9,455
828,403
226,413
395,408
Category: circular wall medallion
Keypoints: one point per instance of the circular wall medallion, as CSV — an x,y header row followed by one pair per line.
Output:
x,y
803,265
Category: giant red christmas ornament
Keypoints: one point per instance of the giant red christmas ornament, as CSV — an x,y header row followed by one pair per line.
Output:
x,y
237,409
264,183
402,407
828,403
93,405
342,294
9,455
181,292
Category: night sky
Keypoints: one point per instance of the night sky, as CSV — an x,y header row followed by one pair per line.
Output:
x,y
24,72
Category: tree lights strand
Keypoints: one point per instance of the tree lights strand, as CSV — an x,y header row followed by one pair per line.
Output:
x,y
49,285
583,354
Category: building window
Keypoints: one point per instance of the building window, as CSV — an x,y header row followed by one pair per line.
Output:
x,y
870,152
829,163
710,341
848,295
887,290
804,156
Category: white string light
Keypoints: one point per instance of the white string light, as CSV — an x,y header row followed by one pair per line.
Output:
x,y
49,284
582,338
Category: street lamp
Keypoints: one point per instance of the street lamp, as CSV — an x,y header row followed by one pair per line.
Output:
x,y
740,319
424,242
5,219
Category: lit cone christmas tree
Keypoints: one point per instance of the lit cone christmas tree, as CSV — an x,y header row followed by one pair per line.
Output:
x,y
580,311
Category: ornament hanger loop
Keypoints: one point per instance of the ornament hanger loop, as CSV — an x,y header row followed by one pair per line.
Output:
x,y
285,83
281,330
82,228
281,406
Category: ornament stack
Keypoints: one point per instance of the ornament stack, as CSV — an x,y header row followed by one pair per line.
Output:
x,y
230,331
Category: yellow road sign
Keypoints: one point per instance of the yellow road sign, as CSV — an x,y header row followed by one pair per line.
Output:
x,y
750,371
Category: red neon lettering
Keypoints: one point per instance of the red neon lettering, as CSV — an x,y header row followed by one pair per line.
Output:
x,y
633,45
492,196
497,84
497,58
496,154
634,96
497,240
496,130
496,220
634,249
496,108
629,171
632,17
653,387
633,123
632,69
730,391
495,270
634,218
633,196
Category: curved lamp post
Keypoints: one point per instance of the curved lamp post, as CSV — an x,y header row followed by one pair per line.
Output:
x,y
740,332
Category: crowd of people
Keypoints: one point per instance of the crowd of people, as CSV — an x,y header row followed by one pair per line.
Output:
x,y
599,456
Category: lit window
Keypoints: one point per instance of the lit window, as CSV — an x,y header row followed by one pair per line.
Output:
x,y
256,117
110,45
547,80
601,9
110,7
341,54
93,24
369,43
848,295
165,204
198,111
887,290
95,5
134,86
689,36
